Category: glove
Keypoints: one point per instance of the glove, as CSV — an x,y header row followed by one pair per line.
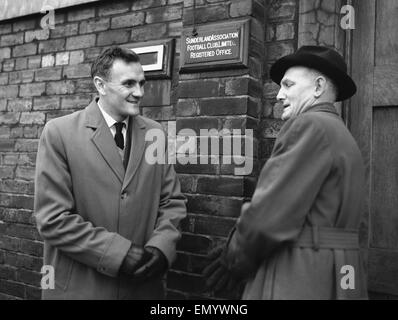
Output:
x,y
135,258
156,265
217,274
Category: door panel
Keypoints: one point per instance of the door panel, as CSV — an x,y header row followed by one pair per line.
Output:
x,y
374,124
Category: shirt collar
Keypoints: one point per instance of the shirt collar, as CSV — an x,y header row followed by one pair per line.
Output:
x,y
108,119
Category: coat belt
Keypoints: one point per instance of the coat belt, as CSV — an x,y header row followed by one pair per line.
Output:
x,y
327,238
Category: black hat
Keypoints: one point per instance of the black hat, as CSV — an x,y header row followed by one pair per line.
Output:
x,y
327,61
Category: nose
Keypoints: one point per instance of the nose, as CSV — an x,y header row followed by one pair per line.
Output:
x,y
138,91
281,95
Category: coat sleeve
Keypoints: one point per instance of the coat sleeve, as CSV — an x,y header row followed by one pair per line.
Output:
x,y
287,187
172,210
57,220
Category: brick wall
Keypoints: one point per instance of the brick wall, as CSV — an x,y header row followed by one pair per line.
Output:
x,y
45,74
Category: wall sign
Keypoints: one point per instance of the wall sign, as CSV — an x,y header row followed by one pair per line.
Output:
x,y
216,46
156,57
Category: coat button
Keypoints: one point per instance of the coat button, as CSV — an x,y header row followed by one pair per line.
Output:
x,y
123,195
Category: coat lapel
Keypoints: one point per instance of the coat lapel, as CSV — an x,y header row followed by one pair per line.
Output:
x,y
137,149
102,138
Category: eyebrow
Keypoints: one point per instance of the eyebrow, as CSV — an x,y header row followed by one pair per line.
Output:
x,y
286,81
134,80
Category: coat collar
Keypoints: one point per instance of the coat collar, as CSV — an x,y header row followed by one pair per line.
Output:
x,y
103,140
322,107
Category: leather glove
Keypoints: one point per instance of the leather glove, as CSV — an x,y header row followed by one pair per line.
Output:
x,y
156,265
217,274
135,258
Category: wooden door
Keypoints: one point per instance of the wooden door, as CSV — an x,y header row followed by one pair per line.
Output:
x,y
374,123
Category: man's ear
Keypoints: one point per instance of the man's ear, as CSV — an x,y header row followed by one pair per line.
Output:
x,y
99,84
320,86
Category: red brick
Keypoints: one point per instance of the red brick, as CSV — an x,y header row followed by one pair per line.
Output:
x,y
240,8
223,106
23,261
17,186
158,93
39,34
98,24
4,133
21,76
46,103
285,31
16,201
11,39
149,32
62,58
112,37
16,132
32,118
187,107
9,118
21,63
80,42
144,4
32,89
12,288
16,216
75,101
84,86
24,24
163,14
77,71
60,87
48,74
285,9
209,13
34,248
224,186
197,123
66,30
57,114
6,172
5,53
4,78
5,28
81,14
10,91
26,145
76,57
52,45
164,113
29,277
8,65
19,105
30,132
198,88
208,225
130,20
7,272
3,104
114,8
188,183
27,159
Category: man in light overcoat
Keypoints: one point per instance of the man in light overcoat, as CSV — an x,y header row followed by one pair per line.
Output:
x,y
109,218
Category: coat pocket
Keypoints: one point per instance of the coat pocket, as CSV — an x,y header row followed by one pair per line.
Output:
x,y
63,271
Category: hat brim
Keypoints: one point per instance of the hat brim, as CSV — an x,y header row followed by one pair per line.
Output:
x,y
345,85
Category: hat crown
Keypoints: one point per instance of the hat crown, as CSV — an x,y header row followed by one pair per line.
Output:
x,y
328,54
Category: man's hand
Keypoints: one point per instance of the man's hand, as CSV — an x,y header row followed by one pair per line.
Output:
x,y
156,265
217,274
136,257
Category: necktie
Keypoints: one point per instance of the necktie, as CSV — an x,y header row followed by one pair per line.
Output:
x,y
119,136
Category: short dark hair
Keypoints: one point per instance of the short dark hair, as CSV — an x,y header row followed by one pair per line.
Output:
x,y
103,63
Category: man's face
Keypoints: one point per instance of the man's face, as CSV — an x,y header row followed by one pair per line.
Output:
x,y
297,91
124,89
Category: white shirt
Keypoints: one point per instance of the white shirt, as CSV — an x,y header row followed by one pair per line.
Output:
x,y
111,124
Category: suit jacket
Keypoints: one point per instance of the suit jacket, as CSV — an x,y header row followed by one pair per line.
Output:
x,y
89,209
314,178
